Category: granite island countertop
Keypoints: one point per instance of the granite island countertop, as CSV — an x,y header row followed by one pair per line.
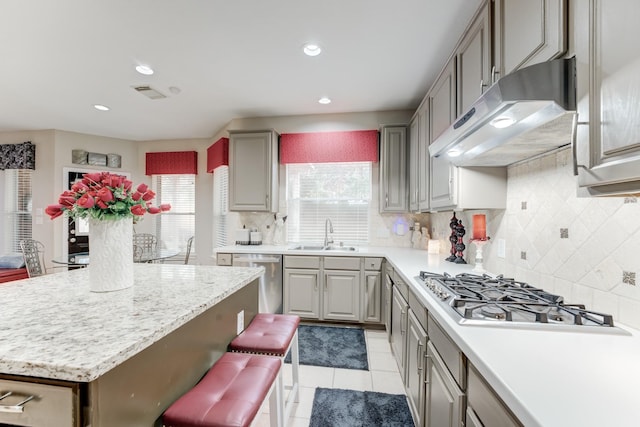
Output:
x,y
54,327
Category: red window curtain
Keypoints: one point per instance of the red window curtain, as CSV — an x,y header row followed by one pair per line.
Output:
x,y
172,163
218,154
329,147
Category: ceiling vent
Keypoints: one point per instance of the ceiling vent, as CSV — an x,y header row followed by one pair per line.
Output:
x,y
149,92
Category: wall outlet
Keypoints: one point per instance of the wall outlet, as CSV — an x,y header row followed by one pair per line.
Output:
x,y
240,322
502,248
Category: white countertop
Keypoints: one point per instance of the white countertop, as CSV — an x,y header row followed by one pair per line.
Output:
x,y
549,378
54,327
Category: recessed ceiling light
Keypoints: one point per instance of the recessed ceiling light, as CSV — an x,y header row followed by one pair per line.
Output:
x,y
454,153
311,49
144,69
101,107
324,100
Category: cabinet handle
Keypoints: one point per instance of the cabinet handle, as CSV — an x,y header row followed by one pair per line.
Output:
x,y
482,86
17,408
418,356
403,313
494,73
574,143
426,376
386,200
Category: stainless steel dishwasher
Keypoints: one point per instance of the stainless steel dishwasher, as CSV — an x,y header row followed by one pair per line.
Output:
x,y
270,296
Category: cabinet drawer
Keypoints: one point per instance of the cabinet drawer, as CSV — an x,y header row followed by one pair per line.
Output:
x,y
302,262
401,285
418,309
223,259
486,404
51,405
373,264
341,263
451,355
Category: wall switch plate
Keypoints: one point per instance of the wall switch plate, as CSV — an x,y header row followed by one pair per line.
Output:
x,y
502,248
240,322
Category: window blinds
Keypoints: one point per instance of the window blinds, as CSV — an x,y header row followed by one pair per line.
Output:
x,y
338,191
17,221
176,226
220,205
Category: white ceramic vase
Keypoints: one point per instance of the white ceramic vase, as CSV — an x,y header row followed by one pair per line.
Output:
x,y
111,254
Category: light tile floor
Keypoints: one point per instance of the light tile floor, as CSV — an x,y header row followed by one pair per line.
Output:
x,y
383,376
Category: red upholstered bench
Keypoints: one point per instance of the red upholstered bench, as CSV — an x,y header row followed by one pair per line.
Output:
x,y
11,274
230,394
275,335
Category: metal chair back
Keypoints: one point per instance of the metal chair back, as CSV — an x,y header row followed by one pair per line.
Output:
x,y
145,246
189,244
33,252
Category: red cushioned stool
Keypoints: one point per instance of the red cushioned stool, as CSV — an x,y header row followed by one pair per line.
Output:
x,y
275,335
231,394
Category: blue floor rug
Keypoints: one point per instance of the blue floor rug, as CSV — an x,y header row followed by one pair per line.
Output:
x,y
350,408
333,347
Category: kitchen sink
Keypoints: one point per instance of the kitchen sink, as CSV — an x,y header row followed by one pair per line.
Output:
x,y
323,248
307,248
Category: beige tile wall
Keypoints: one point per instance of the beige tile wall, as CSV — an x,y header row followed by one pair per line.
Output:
x,y
591,265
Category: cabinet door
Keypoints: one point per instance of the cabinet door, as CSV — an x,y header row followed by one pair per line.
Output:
x,y
609,146
414,144
414,369
253,171
341,299
442,111
474,60
444,399
393,169
424,160
529,32
372,291
398,327
301,293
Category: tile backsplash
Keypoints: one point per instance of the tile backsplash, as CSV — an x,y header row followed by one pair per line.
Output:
x,y
585,249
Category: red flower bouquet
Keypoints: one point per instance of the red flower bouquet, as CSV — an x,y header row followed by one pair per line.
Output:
x,y
105,196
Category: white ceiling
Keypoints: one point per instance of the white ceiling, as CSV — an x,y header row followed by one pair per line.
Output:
x,y
230,59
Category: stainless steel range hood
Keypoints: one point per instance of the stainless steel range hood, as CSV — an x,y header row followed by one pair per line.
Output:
x,y
525,113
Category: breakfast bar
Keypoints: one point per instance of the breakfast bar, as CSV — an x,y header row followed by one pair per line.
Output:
x,y
116,358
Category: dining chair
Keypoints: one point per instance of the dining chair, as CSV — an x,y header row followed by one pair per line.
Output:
x,y
189,244
145,246
33,252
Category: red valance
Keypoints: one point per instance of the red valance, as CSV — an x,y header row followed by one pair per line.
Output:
x,y
218,154
328,147
172,163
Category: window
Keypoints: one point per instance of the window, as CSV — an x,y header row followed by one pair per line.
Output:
x,y
16,203
338,191
176,226
220,205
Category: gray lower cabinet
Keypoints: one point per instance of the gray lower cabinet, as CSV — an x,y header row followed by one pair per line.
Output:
x,y
415,369
341,295
445,401
484,408
388,286
399,309
333,288
301,292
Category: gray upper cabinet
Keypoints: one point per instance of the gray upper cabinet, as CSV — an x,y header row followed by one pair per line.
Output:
x,y
419,163
608,134
474,60
442,112
528,32
253,171
393,169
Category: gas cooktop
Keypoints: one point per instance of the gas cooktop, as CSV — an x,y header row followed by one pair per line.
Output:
x,y
484,300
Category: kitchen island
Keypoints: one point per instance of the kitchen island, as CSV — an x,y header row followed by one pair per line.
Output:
x,y
117,358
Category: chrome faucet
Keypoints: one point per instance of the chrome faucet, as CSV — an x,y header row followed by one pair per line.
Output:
x,y
328,228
